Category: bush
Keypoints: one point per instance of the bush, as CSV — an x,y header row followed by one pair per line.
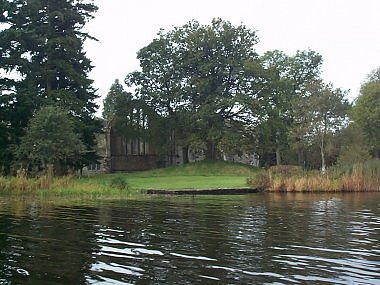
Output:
x,y
260,180
285,170
352,154
119,183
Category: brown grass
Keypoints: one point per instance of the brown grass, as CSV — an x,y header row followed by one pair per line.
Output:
x,y
357,178
23,184
359,183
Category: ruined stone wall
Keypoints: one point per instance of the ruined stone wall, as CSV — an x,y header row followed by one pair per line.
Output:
x,y
134,162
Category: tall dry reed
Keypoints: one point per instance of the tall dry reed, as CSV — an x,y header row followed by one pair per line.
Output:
x,y
359,177
22,184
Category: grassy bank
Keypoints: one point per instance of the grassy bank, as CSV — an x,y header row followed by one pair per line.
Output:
x,y
355,178
60,186
200,175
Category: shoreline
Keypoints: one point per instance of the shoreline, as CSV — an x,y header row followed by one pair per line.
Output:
x,y
219,191
242,191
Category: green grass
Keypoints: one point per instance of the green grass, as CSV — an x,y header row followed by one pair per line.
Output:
x,y
187,182
200,175
202,168
61,186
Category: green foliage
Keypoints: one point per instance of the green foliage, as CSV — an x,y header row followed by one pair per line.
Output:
x,y
353,154
287,76
285,170
50,139
194,76
111,100
366,114
41,46
322,111
216,95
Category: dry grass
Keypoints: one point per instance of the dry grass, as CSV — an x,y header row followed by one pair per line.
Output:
x,y
23,184
59,186
357,178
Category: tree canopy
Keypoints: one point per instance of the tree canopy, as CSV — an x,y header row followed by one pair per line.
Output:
x,y
217,94
200,78
366,112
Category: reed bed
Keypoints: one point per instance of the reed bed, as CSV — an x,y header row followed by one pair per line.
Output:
x,y
356,178
23,184
60,186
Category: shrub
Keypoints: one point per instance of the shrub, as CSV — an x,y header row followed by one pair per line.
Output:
x,y
352,154
260,180
119,183
285,170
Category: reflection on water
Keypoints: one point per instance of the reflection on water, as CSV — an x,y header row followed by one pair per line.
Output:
x,y
272,239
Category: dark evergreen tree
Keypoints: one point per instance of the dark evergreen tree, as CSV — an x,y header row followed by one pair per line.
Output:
x,y
111,100
42,47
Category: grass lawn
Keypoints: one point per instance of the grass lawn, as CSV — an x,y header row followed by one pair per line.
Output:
x,y
187,182
194,176
199,175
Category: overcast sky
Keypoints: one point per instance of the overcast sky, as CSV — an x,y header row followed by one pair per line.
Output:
x,y
345,32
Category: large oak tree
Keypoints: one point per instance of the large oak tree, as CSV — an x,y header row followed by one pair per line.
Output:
x,y
201,78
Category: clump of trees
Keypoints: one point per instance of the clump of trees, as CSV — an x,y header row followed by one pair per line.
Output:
x,y
42,63
207,89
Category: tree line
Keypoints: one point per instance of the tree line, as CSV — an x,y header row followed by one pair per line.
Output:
x,y
205,88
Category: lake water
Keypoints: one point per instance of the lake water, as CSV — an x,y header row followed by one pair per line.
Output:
x,y
248,239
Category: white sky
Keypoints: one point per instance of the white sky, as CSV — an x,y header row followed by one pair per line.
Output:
x,y
345,32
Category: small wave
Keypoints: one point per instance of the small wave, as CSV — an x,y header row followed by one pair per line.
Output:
x,y
115,241
267,274
209,277
116,268
193,257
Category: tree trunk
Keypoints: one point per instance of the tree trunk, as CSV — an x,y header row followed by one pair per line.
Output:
x,y
185,154
300,157
211,151
278,153
172,147
323,168
377,154
50,169
278,156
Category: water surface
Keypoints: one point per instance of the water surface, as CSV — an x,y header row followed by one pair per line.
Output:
x,y
251,239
